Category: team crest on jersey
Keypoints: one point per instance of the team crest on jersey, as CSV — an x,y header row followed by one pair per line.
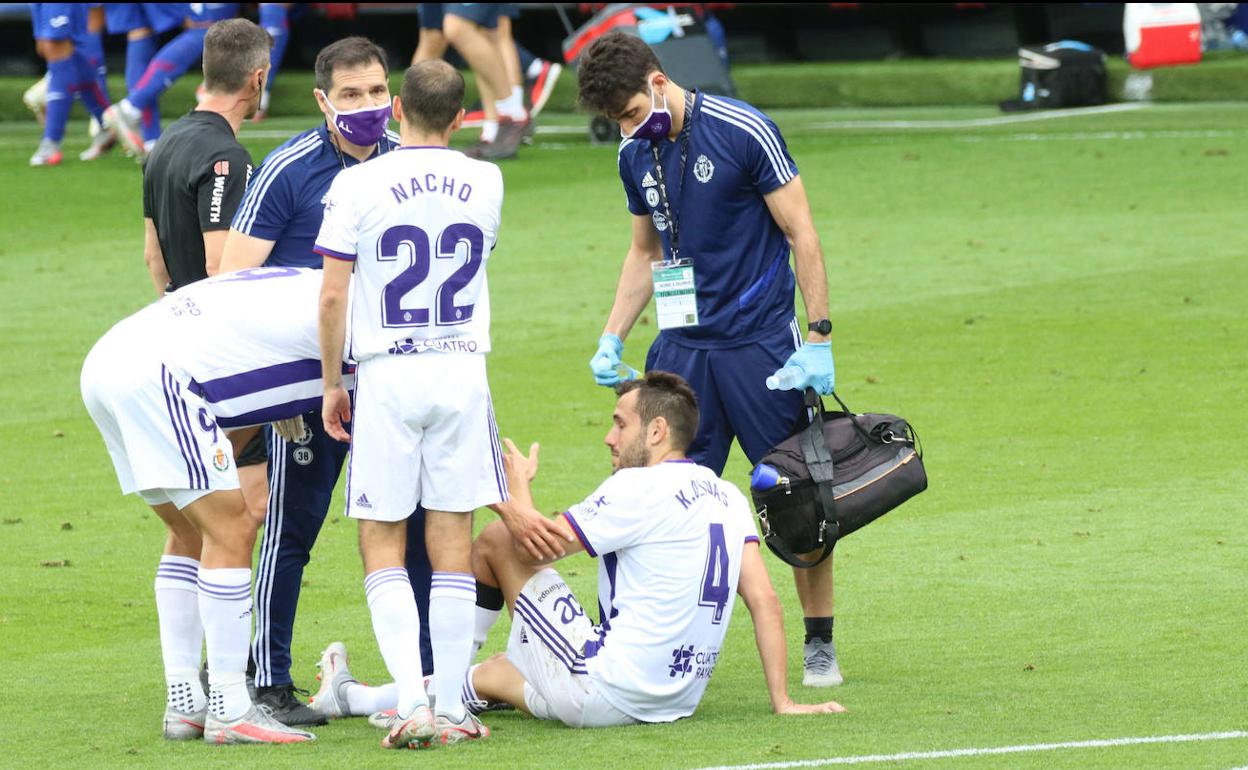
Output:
x,y
703,169
220,460
652,197
660,221
648,181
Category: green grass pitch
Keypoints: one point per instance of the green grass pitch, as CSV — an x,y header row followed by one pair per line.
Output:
x,y
1059,306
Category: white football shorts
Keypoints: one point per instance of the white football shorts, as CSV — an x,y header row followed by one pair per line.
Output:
x,y
547,643
164,442
423,431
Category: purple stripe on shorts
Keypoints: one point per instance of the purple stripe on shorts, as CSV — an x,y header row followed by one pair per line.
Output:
x,y
551,636
190,431
751,538
561,651
177,431
500,476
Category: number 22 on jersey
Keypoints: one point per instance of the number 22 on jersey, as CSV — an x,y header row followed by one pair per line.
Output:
x,y
414,297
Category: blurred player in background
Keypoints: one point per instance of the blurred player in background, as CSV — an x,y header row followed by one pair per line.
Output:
x,y
716,203
416,226
162,387
276,226
137,117
275,18
62,39
675,544
142,24
472,28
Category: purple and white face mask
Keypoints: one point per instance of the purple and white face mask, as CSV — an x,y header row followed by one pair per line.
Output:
x,y
658,122
363,127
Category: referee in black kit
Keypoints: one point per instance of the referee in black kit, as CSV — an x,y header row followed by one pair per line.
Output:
x,y
193,182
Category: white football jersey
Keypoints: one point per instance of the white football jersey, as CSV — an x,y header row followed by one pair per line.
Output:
x,y
669,538
419,223
246,341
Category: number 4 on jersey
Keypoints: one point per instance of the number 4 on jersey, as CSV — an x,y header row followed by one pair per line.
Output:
x,y
715,591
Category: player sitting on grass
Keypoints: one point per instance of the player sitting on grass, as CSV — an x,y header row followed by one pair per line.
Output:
x,y
674,544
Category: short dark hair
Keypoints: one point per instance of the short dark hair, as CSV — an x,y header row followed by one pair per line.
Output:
x,y
353,51
666,395
233,49
432,94
612,70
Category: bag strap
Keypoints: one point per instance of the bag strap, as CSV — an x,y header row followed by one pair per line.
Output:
x,y
819,462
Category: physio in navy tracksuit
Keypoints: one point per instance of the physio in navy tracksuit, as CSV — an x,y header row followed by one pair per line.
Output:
x,y
276,225
717,204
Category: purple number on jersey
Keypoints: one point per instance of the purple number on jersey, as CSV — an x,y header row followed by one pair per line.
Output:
x,y
448,313
417,241
392,311
715,591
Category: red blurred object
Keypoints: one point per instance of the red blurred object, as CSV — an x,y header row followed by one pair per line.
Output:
x,y
1161,34
338,11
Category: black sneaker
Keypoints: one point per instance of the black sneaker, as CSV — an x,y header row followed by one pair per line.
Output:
x,y
504,146
282,705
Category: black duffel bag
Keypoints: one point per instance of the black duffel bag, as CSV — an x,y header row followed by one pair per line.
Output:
x,y
837,475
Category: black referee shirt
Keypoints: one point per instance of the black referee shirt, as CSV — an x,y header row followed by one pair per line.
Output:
x,y
193,182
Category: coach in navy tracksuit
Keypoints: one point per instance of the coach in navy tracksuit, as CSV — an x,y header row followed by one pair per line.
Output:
x,y
716,202
276,225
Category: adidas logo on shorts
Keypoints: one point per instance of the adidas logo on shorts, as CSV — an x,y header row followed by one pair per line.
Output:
x,y
362,501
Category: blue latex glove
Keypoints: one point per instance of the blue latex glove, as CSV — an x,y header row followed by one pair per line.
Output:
x,y
813,361
606,364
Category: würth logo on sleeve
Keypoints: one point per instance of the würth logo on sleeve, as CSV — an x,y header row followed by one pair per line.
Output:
x,y
221,168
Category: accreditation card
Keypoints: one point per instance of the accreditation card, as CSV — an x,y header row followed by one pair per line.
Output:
x,y
675,293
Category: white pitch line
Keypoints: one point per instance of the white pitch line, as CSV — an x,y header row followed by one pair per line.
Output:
x,y
954,753
1000,120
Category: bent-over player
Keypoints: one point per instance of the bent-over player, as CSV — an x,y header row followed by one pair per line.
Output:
x,y
163,386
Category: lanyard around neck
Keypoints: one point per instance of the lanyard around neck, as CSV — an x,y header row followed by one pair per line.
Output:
x,y
664,199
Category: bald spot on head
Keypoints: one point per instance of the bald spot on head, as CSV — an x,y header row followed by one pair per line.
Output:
x,y
432,94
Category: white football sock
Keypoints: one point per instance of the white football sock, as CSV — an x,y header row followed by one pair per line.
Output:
x,y
452,603
363,700
225,610
512,107
181,632
396,624
484,621
489,130
535,69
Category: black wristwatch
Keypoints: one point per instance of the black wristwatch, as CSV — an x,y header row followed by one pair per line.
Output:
x,y
823,327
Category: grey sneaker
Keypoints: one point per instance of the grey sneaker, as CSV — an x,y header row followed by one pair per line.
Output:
x,y
820,666
331,700
282,705
414,732
184,726
469,728
256,726
48,153
124,120
103,141
505,145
